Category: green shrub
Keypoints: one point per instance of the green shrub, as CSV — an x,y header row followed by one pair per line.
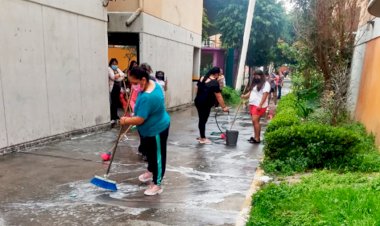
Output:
x,y
283,119
287,102
309,146
286,115
231,96
368,157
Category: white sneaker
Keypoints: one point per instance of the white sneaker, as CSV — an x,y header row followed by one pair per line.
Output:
x,y
153,190
146,177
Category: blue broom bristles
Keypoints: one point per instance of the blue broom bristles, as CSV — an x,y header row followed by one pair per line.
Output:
x,y
104,183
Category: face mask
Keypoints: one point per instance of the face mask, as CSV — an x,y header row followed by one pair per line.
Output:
x,y
114,67
256,80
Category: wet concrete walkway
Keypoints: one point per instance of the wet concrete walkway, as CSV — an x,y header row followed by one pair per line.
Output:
x,y
203,184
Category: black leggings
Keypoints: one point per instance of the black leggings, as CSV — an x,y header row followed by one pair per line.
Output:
x,y
155,148
115,100
203,114
279,92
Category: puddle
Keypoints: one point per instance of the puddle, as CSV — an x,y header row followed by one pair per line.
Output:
x,y
2,222
77,199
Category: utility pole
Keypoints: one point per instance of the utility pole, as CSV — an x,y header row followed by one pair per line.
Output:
x,y
247,32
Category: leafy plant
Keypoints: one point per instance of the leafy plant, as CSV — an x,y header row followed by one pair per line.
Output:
x,y
231,96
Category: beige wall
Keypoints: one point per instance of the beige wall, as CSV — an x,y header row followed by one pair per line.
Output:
x,y
183,13
123,6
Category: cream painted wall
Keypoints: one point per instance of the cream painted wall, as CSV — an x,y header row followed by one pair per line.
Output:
x,y
183,13
123,6
53,66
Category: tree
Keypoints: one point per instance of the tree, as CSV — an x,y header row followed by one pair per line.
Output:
x,y
231,22
326,27
206,25
268,26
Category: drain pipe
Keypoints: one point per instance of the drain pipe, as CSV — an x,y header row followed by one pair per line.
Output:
x,y
105,3
134,16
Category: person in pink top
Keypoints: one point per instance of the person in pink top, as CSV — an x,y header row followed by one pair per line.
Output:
x,y
135,89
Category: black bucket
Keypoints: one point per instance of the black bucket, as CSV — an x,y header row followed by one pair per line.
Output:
x,y
232,137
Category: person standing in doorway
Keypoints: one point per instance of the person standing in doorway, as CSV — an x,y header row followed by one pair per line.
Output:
x,y
208,94
153,124
115,77
258,103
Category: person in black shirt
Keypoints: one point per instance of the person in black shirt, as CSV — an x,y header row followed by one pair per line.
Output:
x,y
208,94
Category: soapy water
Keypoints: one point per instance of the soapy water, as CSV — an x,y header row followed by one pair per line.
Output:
x,y
2,222
80,195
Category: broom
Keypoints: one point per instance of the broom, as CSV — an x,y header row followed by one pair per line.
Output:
x,y
240,105
128,109
104,182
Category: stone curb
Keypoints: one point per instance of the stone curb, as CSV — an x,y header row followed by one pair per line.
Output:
x,y
258,181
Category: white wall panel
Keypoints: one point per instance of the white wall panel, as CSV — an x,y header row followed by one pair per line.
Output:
x,y
23,71
62,68
93,53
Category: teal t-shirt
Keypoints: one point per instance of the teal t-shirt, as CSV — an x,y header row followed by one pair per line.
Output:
x,y
151,107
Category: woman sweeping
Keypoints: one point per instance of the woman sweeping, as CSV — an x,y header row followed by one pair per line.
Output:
x,y
208,94
153,124
258,103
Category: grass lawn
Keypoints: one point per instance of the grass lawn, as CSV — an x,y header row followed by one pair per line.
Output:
x,y
322,198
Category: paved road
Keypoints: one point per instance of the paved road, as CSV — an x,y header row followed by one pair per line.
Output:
x,y
203,185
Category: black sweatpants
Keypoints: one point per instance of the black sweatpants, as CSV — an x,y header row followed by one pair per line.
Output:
x,y
203,114
155,148
279,92
115,100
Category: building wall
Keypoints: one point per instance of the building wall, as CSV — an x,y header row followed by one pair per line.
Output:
x,y
166,47
183,13
364,101
356,75
176,60
53,65
124,5
368,105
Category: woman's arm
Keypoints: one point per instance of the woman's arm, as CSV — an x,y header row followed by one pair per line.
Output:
x,y
220,100
121,73
166,85
263,99
131,121
245,96
111,74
